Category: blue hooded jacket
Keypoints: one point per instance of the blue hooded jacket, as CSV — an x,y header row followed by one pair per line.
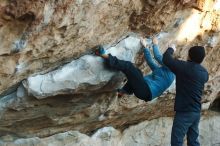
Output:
x,y
161,77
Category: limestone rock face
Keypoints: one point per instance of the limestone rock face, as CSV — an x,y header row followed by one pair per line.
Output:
x,y
149,133
51,82
38,36
80,75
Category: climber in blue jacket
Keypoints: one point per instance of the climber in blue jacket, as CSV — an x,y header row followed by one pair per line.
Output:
x,y
143,87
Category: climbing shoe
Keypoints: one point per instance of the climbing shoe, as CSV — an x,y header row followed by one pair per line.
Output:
x,y
100,51
122,92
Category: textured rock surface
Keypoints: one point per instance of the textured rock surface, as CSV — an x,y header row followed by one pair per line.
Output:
x,y
80,75
83,112
40,35
39,38
149,133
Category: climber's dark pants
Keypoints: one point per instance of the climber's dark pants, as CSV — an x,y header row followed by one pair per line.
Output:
x,y
135,83
185,123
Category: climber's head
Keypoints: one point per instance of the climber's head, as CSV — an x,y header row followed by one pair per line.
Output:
x,y
196,54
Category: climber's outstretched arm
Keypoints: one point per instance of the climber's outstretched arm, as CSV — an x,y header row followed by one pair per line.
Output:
x,y
157,54
149,59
